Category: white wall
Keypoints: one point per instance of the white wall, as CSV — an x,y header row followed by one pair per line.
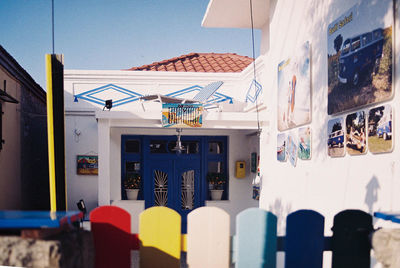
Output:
x,y
327,185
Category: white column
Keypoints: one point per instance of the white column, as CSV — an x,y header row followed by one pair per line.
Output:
x,y
103,126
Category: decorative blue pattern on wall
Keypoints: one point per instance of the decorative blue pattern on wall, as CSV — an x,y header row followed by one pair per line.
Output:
x,y
215,98
131,96
254,90
90,95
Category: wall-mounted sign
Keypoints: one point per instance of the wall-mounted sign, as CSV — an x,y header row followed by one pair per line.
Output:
x,y
87,165
182,115
360,56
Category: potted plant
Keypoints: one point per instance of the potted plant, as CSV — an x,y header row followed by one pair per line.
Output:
x,y
216,181
132,185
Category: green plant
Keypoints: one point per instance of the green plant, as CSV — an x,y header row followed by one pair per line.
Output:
x,y
217,180
132,181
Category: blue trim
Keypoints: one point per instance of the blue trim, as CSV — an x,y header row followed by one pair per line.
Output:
x,y
257,91
89,95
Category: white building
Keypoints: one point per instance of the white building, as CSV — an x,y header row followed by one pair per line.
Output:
x,y
368,181
130,137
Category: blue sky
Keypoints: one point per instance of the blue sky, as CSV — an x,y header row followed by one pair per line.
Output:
x,y
112,34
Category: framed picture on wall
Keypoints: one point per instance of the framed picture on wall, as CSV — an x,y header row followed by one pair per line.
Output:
x,y
356,133
292,148
281,147
360,57
294,90
87,165
336,137
304,150
380,129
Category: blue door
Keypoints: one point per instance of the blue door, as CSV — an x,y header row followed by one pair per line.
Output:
x,y
170,178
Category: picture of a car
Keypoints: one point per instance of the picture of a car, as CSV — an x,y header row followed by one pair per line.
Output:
x,y
336,138
384,128
359,54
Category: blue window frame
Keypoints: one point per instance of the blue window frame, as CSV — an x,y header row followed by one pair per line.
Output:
x,y
137,151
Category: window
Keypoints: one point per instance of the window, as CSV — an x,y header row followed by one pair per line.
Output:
x,y
132,146
346,47
355,44
217,164
158,146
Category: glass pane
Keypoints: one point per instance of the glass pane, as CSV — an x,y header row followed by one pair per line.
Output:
x,y
215,147
190,147
160,188
215,167
132,166
187,189
132,146
158,147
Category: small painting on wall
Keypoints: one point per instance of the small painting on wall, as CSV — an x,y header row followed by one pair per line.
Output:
x,y
336,137
304,150
355,133
292,149
360,57
294,90
87,165
281,147
380,127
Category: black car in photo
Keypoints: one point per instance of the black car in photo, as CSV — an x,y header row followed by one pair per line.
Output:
x,y
359,54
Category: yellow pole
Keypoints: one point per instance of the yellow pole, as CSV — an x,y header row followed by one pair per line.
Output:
x,y
50,135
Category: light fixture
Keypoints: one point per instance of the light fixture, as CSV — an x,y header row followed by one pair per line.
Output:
x,y
108,105
178,147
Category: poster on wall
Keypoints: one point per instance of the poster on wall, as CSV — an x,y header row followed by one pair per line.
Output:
x,y
355,133
336,137
291,149
380,127
294,90
304,148
87,165
281,147
360,56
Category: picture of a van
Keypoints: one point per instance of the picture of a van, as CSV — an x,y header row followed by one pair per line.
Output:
x,y
359,54
384,128
336,138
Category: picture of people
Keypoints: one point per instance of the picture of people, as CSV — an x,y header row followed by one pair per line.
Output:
x,y
336,137
294,90
292,149
304,148
360,56
380,123
355,133
281,147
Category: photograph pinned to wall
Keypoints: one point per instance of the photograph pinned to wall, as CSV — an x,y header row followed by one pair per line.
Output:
x,y
291,149
281,147
294,90
360,56
356,133
87,165
336,137
304,148
380,127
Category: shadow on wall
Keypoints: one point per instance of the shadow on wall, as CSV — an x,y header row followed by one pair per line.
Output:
x,y
371,196
281,211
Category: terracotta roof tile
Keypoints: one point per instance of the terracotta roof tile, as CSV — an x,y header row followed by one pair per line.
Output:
x,y
200,62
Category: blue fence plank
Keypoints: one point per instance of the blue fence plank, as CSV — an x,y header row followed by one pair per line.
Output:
x,y
350,241
304,245
255,239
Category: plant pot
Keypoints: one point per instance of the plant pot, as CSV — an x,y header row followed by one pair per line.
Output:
x,y
132,194
216,194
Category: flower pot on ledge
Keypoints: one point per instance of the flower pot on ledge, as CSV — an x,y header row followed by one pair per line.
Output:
x,y
132,194
216,194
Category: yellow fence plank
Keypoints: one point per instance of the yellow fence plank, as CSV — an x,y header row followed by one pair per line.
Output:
x,y
160,238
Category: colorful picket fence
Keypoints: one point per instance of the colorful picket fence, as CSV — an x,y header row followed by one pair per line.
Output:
x,y
208,242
